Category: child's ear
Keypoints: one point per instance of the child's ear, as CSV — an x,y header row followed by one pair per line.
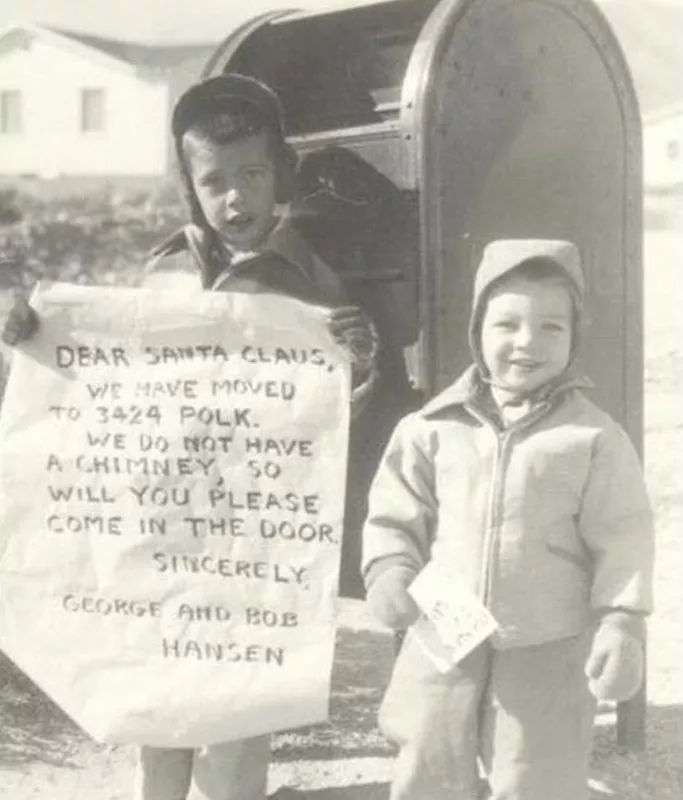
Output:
x,y
284,179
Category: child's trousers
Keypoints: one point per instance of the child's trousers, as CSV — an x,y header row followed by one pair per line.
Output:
x,y
525,715
232,771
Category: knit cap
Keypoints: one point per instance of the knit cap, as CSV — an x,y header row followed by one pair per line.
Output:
x,y
223,93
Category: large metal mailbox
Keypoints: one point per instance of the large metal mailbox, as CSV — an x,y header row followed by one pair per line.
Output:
x,y
484,119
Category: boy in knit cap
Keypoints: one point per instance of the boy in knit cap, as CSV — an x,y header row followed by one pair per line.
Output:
x,y
236,170
532,499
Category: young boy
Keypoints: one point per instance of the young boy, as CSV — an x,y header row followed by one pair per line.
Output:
x,y
236,168
533,499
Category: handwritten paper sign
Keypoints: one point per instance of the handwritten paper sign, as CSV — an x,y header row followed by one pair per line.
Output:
x,y
455,620
171,497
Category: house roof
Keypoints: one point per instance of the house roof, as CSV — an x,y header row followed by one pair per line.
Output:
x,y
140,55
128,55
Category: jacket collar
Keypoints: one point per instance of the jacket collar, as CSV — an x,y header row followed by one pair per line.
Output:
x,y
468,389
210,259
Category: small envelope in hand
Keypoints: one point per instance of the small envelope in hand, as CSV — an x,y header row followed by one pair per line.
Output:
x,y
455,620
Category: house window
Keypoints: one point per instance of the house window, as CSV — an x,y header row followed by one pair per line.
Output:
x,y
10,112
673,149
92,110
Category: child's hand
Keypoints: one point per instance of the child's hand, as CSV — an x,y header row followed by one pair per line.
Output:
x,y
615,665
389,600
351,327
21,324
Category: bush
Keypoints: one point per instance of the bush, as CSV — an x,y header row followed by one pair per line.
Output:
x,y
99,234
9,207
102,235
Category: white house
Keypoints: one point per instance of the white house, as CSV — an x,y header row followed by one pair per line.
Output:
x,y
663,148
72,104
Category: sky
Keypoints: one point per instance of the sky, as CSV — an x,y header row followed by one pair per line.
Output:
x,y
151,21
163,21
644,28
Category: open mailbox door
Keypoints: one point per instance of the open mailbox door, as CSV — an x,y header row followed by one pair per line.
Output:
x,y
432,128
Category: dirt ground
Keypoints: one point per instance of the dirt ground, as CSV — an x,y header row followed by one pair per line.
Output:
x,y
43,755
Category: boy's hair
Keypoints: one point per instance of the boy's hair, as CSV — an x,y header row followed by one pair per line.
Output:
x,y
229,108
544,270
539,269
232,125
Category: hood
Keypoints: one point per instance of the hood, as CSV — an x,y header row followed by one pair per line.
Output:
x,y
501,257
469,389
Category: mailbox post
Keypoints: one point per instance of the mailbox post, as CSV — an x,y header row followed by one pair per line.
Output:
x,y
490,119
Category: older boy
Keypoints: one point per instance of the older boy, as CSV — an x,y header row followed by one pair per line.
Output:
x,y
533,499
236,169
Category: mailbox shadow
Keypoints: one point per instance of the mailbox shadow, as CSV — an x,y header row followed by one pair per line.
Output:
x,y
657,772
32,727
368,791
35,730
362,667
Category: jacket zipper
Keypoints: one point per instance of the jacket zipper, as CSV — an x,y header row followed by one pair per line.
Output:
x,y
504,441
493,514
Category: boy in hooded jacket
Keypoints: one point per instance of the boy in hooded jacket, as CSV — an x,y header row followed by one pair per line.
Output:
x,y
533,498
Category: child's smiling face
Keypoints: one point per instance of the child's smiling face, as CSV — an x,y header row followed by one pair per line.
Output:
x,y
235,186
526,333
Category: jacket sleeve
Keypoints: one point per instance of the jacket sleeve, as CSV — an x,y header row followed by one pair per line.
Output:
x,y
402,504
327,281
617,526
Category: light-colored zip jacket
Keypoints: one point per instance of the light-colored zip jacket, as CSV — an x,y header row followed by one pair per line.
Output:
x,y
546,520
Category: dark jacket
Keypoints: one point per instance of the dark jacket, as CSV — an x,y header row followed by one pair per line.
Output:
x,y
284,264
192,259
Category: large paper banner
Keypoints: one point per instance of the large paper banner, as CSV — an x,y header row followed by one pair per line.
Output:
x,y
172,480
